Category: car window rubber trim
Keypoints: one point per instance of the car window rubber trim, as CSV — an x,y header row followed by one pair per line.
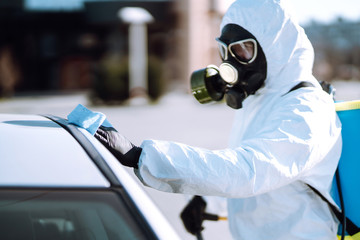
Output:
x,y
88,147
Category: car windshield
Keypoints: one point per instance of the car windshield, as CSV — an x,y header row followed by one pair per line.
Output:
x,y
68,215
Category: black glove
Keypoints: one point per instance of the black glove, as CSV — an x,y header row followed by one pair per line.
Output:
x,y
192,215
127,153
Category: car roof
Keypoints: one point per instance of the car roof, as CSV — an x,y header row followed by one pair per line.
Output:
x,y
35,151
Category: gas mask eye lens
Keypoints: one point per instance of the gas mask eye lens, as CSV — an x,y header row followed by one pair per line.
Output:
x,y
222,49
243,51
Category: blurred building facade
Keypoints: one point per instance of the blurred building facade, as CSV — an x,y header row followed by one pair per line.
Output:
x,y
200,23
63,45
337,49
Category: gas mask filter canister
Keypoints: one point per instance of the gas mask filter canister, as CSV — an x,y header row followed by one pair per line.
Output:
x,y
207,85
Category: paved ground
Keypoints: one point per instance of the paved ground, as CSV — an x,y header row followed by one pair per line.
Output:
x,y
176,117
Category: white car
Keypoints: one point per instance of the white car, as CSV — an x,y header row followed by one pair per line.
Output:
x,y
58,182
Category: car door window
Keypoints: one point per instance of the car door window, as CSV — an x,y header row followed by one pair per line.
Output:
x,y
68,215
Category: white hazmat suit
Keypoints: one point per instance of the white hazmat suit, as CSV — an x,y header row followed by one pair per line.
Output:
x,y
281,141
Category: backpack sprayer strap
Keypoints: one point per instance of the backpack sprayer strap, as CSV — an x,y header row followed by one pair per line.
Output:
x,y
300,85
347,224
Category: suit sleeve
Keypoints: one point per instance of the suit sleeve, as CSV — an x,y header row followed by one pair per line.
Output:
x,y
295,138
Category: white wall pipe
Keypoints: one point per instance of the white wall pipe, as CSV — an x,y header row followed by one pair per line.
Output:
x,y
138,18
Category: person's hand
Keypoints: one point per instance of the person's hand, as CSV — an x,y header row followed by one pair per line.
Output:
x,y
192,215
127,153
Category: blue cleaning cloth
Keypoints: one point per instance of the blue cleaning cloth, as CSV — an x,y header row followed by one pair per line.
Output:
x,y
87,119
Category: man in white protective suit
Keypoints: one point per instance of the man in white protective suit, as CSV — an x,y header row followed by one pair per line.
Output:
x,y
286,134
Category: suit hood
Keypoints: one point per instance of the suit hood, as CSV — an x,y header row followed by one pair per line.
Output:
x,y
287,49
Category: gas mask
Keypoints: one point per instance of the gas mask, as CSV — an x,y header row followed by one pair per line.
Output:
x,y
241,73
